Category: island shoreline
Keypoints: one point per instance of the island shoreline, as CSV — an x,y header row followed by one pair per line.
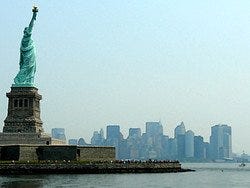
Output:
x,y
90,168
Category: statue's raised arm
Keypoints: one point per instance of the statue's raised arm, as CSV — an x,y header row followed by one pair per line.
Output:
x,y
34,10
27,62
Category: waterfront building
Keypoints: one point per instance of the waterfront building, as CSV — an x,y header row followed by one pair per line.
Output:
x,y
179,134
133,143
153,139
207,150
134,148
114,138
172,148
199,148
179,130
165,147
227,142
123,149
221,142
189,144
181,147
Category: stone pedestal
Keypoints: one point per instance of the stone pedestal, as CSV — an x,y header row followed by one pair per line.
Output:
x,y
23,111
23,124
25,138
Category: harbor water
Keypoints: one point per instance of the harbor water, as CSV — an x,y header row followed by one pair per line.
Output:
x,y
207,175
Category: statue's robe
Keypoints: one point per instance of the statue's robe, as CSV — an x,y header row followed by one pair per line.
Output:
x,y
27,62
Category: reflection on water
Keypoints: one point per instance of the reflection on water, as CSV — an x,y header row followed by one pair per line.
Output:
x,y
60,180
22,182
216,166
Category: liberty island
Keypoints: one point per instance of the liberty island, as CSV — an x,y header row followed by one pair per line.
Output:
x,y
26,149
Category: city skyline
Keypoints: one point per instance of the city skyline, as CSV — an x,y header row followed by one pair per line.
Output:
x,y
127,63
185,145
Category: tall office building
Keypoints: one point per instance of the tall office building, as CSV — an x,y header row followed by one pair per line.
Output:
x,y
114,138
199,148
179,134
133,142
113,132
227,141
154,128
153,139
98,138
207,150
179,130
189,144
221,142
173,148
165,147
135,132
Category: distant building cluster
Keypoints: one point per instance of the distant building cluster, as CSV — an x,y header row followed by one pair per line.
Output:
x,y
153,144
58,133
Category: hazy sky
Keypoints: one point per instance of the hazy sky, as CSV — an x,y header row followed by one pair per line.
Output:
x,y
127,62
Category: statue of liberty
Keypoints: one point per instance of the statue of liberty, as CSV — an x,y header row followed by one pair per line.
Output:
x,y
27,62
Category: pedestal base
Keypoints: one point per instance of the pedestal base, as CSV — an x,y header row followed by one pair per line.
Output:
x,y
23,111
25,138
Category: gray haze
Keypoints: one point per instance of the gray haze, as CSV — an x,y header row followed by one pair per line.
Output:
x,y
126,62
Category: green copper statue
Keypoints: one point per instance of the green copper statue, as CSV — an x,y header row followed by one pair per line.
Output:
x,y
27,63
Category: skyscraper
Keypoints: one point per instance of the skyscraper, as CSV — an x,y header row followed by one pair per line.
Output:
x,y
113,132
227,141
98,138
114,138
189,144
173,148
133,142
179,130
153,140
154,128
179,133
221,142
135,132
199,147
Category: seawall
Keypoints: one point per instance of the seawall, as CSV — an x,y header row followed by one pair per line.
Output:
x,y
90,168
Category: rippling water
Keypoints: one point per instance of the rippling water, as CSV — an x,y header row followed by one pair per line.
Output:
x,y
209,175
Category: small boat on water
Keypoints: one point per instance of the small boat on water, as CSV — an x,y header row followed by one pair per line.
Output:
x,y
242,164
243,155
